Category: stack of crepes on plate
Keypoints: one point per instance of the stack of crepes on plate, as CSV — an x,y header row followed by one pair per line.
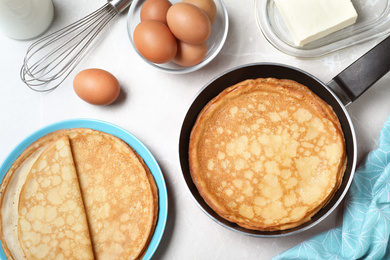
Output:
x,y
267,154
78,194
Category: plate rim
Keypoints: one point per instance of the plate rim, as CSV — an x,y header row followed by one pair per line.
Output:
x,y
119,132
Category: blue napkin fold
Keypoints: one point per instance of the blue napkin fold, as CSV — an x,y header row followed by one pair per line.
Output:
x,y
365,231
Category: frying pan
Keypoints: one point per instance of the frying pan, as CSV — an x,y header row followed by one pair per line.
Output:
x,y
338,93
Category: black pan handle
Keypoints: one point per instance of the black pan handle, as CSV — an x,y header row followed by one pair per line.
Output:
x,y
363,73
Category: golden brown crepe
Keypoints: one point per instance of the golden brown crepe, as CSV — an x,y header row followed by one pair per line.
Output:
x,y
267,154
52,221
10,189
118,193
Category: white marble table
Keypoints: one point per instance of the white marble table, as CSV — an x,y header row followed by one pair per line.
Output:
x,y
152,107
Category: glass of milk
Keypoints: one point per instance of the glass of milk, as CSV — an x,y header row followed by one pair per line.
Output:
x,y
25,19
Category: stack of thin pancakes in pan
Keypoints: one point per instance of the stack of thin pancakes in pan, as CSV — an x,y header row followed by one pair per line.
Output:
x,y
78,194
267,154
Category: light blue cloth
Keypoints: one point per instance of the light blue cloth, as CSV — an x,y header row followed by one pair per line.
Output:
x,y
365,231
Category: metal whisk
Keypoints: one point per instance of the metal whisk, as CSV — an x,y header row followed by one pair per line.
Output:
x,y
50,60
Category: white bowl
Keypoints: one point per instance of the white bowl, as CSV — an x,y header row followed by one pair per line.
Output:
x,y
215,42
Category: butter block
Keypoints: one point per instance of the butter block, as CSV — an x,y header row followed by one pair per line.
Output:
x,y
309,20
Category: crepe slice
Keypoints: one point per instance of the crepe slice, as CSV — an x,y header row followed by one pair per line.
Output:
x,y
267,154
119,192
52,219
10,189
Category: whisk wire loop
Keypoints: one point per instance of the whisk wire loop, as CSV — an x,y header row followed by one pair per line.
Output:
x,y
50,60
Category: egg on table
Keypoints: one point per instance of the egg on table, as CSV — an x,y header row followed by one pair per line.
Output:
x,y
96,86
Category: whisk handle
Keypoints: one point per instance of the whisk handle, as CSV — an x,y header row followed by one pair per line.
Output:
x,y
120,5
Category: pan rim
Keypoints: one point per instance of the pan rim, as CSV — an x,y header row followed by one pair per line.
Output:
x,y
232,226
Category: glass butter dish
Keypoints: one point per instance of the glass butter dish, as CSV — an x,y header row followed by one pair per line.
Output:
x,y
373,22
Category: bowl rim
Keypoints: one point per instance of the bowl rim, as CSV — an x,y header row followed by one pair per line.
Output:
x,y
181,69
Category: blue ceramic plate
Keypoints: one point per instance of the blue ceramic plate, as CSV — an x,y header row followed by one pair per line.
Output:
x,y
125,136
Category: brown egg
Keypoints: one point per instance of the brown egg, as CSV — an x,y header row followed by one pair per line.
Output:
x,y
154,41
188,23
190,54
96,86
207,6
155,10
